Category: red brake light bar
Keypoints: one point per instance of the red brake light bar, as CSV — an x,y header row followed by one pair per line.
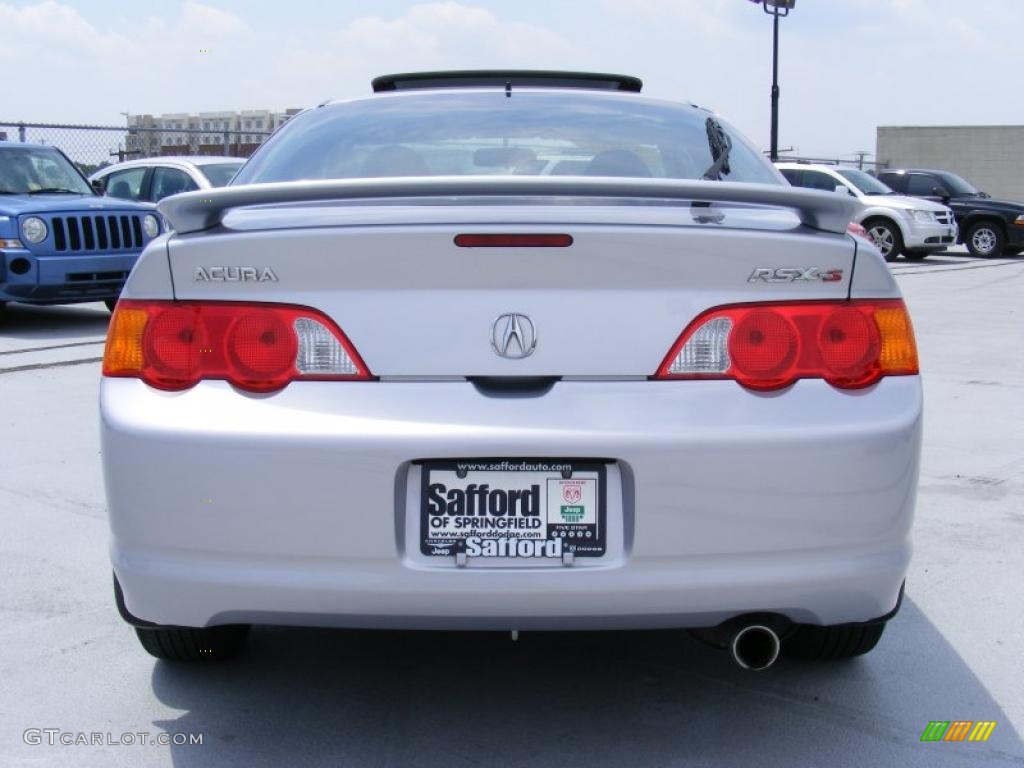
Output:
x,y
513,241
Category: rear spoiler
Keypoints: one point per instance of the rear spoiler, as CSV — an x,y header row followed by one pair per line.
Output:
x,y
204,209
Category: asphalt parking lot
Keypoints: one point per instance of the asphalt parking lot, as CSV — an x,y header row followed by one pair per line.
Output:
x,y
317,697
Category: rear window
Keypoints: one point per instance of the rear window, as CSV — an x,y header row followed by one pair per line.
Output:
x,y
532,133
866,183
219,174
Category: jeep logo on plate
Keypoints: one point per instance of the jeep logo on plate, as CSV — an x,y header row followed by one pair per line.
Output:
x,y
234,275
795,275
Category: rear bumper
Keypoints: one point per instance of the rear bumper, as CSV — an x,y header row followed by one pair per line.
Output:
x,y
295,508
62,279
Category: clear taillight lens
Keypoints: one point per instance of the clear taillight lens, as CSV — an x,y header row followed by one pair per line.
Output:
x,y
850,344
706,351
257,347
321,352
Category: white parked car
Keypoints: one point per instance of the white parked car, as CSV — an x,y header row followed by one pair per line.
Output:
x,y
153,178
896,223
411,370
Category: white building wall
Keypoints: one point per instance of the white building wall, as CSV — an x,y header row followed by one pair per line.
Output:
x,y
989,156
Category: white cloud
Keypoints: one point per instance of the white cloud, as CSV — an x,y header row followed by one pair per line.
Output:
x,y
99,70
846,66
192,56
710,18
427,36
205,21
450,34
50,29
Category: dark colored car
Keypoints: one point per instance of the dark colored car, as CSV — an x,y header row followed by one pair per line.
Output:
x,y
60,242
988,227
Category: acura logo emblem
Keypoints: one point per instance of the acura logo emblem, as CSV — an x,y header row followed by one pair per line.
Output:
x,y
513,336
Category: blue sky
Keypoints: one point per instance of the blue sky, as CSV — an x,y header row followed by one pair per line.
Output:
x,y
847,65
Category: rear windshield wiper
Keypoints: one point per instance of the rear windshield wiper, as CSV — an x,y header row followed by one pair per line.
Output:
x,y
720,145
9,192
54,190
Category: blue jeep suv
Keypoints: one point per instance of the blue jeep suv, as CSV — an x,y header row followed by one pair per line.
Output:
x,y
60,242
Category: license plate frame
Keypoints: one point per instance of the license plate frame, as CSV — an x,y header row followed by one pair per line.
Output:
x,y
561,480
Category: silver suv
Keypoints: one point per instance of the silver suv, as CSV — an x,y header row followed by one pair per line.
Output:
x,y
898,224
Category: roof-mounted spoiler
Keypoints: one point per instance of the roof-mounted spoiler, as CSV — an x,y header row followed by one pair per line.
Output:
x,y
204,209
523,78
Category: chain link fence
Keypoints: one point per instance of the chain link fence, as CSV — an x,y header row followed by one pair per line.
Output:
x,y
92,147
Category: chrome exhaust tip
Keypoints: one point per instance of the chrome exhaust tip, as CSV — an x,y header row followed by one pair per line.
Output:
x,y
755,647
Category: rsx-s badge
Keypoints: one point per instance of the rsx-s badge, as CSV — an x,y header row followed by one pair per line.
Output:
x,y
234,275
795,275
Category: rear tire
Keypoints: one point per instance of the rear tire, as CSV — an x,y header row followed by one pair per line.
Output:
x,y
985,239
840,641
886,236
193,644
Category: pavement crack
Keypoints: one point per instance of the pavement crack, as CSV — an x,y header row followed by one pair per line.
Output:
x,y
957,268
52,346
43,366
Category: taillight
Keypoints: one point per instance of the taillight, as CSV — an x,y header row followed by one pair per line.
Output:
x,y
257,347
850,344
856,229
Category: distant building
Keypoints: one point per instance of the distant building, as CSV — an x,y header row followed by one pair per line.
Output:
x,y
206,133
988,156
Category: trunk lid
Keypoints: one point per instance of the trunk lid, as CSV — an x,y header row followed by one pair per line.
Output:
x,y
416,305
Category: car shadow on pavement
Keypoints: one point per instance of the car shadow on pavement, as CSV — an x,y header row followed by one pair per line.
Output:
x,y
334,697
53,324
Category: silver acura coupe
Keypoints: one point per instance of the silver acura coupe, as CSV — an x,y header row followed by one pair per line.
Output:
x,y
511,351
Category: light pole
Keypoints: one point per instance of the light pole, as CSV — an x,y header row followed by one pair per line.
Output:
x,y
776,9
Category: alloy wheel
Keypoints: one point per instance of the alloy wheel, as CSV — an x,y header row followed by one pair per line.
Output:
x,y
984,240
883,239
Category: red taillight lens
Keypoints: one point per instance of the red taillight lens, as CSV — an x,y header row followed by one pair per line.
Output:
x,y
848,341
261,350
850,344
171,346
763,346
257,347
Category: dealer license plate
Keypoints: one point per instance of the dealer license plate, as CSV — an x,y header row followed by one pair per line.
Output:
x,y
532,509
